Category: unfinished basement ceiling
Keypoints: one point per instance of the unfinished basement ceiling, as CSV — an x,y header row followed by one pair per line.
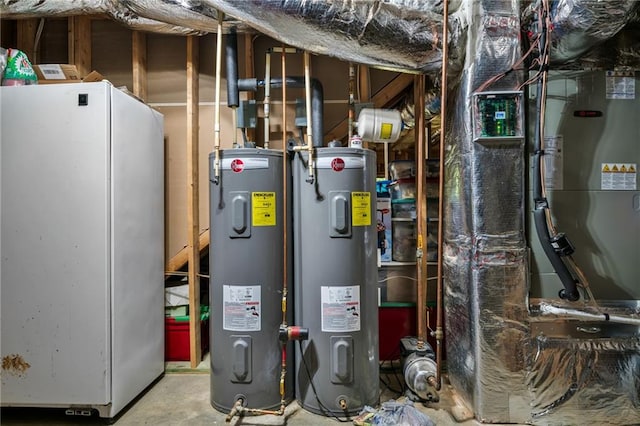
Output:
x,y
401,35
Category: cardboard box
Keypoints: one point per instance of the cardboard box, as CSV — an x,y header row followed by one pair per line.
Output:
x,y
63,73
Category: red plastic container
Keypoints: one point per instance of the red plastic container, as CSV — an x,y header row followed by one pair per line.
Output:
x,y
395,322
398,320
176,339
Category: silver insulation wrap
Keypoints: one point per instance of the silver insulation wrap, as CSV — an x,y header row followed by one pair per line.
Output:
x,y
585,381
12,9
581,369
402,35
393,34
579,25
485,254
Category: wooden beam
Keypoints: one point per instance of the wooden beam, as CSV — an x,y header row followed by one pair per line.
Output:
x,y
79,40
249,72
380,100
181,259
139,63
364,84
193,200
26,39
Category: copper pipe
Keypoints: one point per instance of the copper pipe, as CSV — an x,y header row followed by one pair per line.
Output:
x,y
284,189
443,128
421,220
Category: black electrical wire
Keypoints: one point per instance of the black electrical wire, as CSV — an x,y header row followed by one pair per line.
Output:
x,y
323,407
541,206
394,370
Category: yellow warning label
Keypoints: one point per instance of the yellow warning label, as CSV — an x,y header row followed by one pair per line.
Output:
x,y
615,168
385,130
632,169
606,168
263,208
361,208
623,169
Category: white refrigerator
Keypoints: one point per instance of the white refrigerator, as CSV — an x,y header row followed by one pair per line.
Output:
x,y
82,247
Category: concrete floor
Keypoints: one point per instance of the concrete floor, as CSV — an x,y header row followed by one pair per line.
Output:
x,y
181,397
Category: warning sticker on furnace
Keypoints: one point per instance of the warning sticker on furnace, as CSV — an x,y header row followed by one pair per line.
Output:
x,y
619,176
241,308
340,308
361,208
263,208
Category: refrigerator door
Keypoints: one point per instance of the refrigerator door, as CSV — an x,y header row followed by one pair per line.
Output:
x,y
55,250
137,186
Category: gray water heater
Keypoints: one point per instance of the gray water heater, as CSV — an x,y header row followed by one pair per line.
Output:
x,y
246,217
335,243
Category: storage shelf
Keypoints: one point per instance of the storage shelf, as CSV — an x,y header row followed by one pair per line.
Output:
x,y
396,263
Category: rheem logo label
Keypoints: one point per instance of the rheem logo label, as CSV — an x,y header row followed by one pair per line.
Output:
x,y
337,164
237,165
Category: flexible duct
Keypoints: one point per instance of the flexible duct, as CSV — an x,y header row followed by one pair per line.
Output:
x,y
394,34
11,9
579,25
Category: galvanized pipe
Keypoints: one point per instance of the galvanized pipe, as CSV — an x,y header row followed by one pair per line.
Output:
x,y
267,97
352,111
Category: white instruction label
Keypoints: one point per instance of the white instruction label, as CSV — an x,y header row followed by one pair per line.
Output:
x,y
241,305
621,84
340,308
553,162
619,176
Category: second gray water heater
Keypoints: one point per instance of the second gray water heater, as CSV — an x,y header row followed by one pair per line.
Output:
x,y
335,243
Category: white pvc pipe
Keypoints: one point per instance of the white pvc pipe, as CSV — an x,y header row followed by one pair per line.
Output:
x,y
546,309
307,89
216,126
